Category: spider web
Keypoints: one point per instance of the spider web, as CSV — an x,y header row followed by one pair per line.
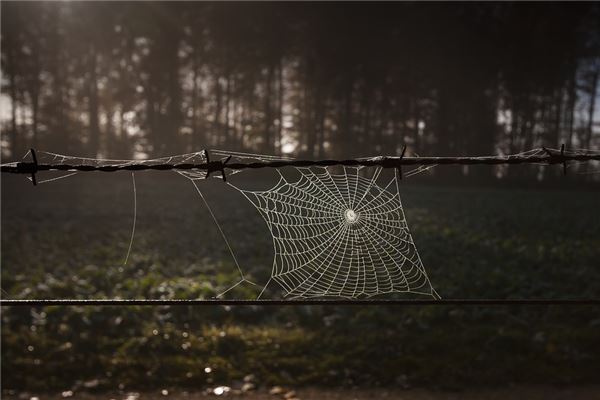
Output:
x,y
340,235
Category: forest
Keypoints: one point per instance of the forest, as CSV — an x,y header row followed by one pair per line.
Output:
x,y
134,80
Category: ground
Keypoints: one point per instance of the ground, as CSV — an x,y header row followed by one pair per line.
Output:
x,y
69,239
516,392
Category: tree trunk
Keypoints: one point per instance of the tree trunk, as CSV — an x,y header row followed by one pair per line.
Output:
x,y
377,145
311,90
33,87
195,131
35,107
279,135
226,127
589,131
151,121
320,126
591,109
94,142
268,145
59,87
12,79
218,106
173,117
366,131
557,116
416,131
571,108
346,134
10,53
514,127
13,114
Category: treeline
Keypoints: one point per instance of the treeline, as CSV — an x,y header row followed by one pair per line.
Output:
x,y
325,79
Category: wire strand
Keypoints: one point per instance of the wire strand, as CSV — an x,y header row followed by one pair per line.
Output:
x,y
548,157
302,302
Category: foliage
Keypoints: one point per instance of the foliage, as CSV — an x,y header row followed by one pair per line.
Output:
x,y
68,239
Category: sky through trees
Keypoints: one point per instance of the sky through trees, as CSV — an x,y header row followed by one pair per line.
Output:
x,y
125,80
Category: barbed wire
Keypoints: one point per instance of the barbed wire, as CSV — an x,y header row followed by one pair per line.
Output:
x,y
549,156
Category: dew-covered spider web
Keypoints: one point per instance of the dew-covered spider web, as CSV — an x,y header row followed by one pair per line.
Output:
x,y
340,235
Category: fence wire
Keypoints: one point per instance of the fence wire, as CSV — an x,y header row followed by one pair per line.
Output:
x,y
304,302
548,157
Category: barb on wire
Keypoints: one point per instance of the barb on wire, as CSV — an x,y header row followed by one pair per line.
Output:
x,y
554,158
28,167
211,166
400,160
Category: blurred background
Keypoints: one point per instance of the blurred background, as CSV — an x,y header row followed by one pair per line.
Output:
x,y
138,79
148,79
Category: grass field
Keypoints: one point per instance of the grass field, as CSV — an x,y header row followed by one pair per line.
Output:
x,y
69,239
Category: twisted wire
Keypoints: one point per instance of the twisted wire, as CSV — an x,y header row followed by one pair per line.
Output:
x,y
550,157
299,302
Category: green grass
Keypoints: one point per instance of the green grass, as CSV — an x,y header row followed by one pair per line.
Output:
x,y
69,239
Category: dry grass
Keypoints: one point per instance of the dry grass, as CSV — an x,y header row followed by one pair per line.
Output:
x,y
537,392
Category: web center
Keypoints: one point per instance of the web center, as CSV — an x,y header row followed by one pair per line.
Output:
x,y
351,216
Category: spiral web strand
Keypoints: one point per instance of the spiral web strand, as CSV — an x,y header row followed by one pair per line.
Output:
x,y
340,235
